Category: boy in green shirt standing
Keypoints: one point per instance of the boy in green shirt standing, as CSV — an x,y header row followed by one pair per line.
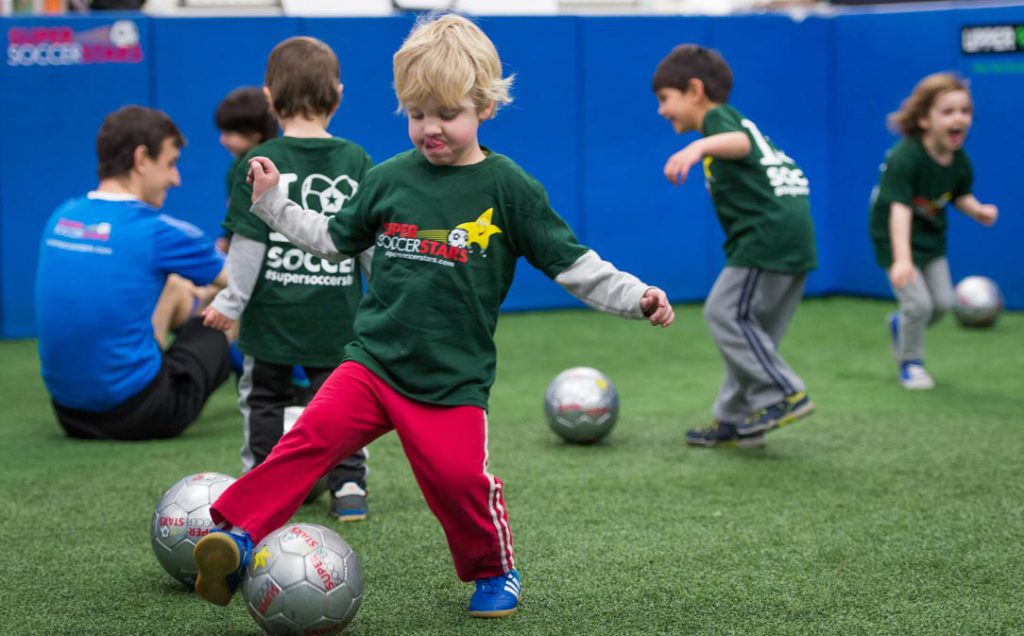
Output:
x,y
295,308
760,197
921,175
449,221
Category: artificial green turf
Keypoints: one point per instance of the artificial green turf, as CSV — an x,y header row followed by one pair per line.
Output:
x,y
886,512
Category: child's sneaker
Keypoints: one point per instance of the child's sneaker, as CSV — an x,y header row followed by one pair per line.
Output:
x,y
913,376
221,558
348,503
893,320
496,596
722,434
789,410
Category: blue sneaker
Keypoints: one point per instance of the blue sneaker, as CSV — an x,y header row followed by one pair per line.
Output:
x,y
914,377
496,596
893,320
221,558
789,410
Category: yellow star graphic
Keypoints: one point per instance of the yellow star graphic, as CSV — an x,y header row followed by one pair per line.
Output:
x,y
259,559
480,230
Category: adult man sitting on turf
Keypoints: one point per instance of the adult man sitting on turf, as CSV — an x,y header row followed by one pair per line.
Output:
x,y
113,280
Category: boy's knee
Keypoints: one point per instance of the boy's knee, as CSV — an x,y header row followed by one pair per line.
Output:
x,y
917,311
941,307
715,314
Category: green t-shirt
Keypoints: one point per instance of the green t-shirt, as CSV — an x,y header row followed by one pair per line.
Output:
x,y
447,240
302,307
761,200
911,177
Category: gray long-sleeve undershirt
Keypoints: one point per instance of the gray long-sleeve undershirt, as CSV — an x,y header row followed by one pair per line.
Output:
x,y
245,257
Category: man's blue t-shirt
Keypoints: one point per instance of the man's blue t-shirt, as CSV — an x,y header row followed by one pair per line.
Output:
x,y
103,263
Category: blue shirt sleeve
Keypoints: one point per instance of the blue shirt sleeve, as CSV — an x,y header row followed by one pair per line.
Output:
x,y
182,248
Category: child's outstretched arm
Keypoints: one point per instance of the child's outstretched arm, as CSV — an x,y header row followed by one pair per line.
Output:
x,y
305,228
728,145
901,272
600,285
244,260
984,213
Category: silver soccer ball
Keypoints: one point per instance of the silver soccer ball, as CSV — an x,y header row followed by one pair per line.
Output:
x,y
978,302
581,405
303,579
181,519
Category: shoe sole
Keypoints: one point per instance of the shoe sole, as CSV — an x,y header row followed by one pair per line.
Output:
x,y
747,441
349,517
493,614
217,557
917,387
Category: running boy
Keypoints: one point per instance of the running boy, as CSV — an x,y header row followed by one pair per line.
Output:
x,y
760,197
295,308
449,219
922,173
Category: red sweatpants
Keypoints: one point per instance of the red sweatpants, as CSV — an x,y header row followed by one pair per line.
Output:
x,y
446,447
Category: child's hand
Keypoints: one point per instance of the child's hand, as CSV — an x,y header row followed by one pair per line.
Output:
x,y
901,273
216,320
263,175
679,164
654,304
987,214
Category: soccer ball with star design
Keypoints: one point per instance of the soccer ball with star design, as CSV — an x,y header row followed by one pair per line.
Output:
x,y
303,579
181,519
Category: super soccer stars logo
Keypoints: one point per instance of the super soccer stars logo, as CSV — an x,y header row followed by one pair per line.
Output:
x,y
442,246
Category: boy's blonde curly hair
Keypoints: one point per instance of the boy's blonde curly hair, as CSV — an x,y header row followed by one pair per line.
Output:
x,y
448,57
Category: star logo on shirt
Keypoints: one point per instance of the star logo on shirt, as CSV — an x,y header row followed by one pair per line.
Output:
x,y
480,230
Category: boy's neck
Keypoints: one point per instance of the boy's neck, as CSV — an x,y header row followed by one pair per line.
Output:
x,y
702,110
305,127
938,151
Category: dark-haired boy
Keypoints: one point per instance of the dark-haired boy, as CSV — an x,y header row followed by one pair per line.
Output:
x,y
114,276
294,308
761,199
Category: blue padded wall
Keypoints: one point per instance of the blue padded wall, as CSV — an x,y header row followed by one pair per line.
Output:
x,y
634,217
584,122
195,64
49,117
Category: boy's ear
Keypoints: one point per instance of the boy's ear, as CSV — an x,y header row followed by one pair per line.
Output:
x,y
270,100
487,112
341,96
695,87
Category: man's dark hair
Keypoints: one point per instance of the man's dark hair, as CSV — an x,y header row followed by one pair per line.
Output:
x,y
126,129
689,61
302,77
245,110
